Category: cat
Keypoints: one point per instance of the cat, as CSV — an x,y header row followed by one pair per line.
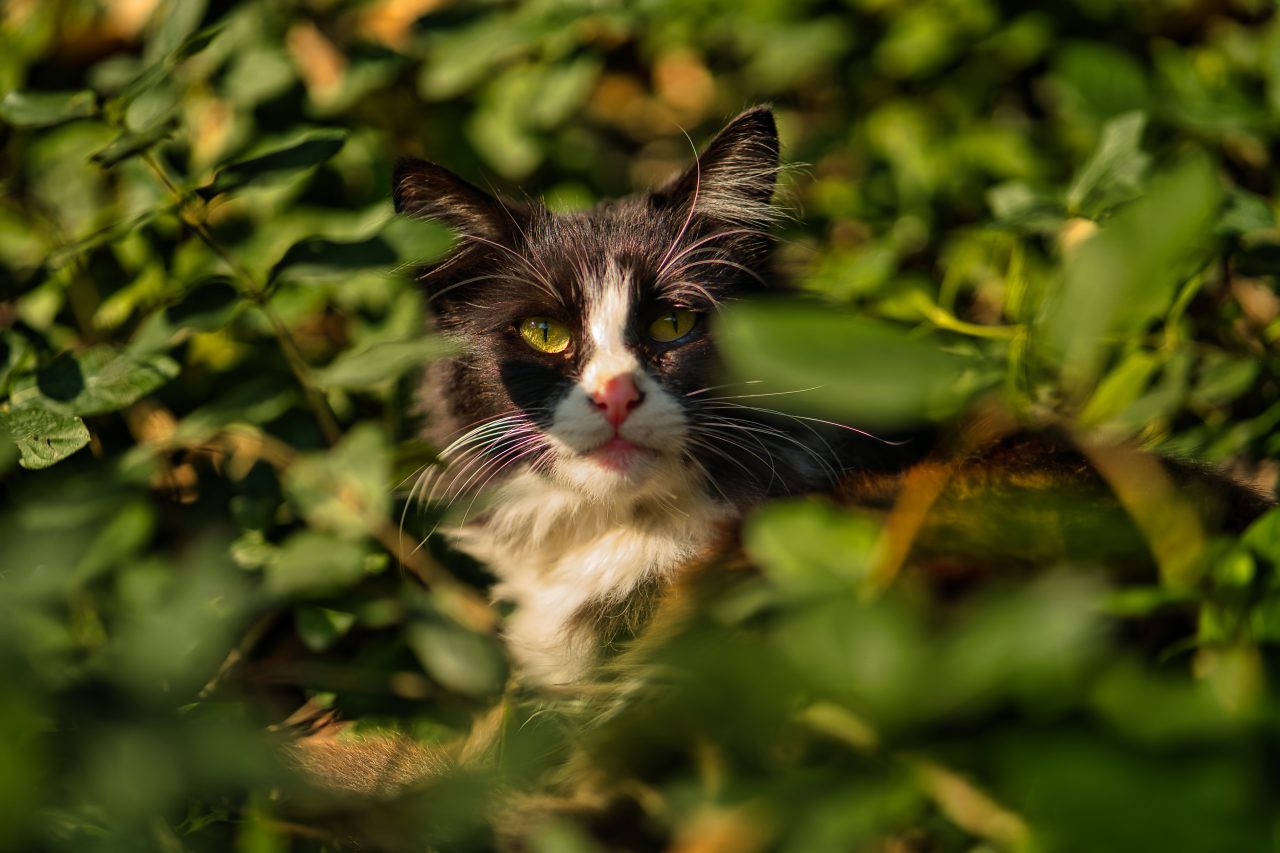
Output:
x,y
584,388
583,395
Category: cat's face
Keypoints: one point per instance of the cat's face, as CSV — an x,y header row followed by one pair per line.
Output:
x,y
585,346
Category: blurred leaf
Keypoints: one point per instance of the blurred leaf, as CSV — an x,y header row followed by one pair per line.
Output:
x,y
1263,537
46,109
112,233
319,627
870,374
379,362
318,259
1120,387
197,42
344,490
122,537
207,306
13,352
811,547
416,241
305,151
43,437
1224,379
177,23
311,562
1016,205
1127,274
1244,213
1115,172
129,144
459,659
258,400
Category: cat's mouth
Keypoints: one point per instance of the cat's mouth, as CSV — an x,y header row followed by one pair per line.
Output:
x,y
619,454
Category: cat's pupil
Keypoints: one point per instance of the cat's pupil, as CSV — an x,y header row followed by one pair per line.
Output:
x,y
675,324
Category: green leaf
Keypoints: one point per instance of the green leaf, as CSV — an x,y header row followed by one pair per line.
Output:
x,y
13,349
45,109
207,307
319,627
1128,273
1263,537
319,259
1120,387
1225,378
312,562
1021,208
110,234
257,401
308,150
416,241
379,362
130,144
175,30
1115,172
461,660
197,42
1244,213
95,381
811,547
43,437
867,373
345,489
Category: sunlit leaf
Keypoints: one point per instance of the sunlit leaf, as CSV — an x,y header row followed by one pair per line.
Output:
x,y
865,373
43,437
95,381
1127,274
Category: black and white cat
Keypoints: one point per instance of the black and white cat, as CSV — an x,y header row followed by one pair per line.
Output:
x,y
584,387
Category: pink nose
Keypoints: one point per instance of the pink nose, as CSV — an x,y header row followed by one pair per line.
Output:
x,y
616,398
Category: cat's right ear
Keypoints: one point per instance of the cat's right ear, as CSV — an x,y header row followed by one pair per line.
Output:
x,y
427,191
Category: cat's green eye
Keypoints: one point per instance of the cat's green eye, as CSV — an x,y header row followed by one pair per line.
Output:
x,y
545,335
673,325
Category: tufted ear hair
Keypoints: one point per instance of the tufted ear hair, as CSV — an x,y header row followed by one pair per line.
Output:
x,y
425,190
734,178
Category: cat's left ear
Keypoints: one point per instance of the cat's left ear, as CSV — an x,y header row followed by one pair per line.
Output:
x,y
734,178
426,190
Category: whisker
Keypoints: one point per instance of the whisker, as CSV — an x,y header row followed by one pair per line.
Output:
x,y
724,263
693,204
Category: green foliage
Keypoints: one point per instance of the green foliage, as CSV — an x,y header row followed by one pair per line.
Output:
x,y
209,337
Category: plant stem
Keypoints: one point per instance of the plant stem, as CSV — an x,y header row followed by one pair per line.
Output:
x,y
257,294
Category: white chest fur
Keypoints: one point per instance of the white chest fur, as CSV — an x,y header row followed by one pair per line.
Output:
x,y
556,551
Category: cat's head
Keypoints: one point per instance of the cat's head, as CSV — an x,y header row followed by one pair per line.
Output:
x,y
585,351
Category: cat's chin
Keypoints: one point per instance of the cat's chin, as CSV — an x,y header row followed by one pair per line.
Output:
x,y
617,468
621,456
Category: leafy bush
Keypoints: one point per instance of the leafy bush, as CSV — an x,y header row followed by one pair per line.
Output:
x,y
208,352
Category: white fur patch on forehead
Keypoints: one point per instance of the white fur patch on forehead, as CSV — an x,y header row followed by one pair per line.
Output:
x,y
608,312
